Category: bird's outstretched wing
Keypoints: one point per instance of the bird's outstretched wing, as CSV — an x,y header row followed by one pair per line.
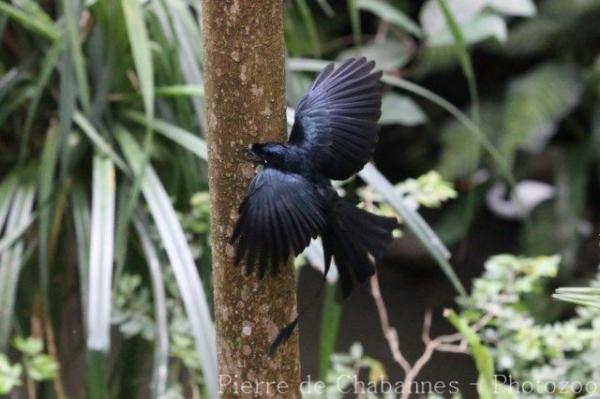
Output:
x,y
336,121
278,217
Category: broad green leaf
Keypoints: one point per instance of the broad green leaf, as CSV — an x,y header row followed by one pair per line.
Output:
x,y
42,368
534,36
102,234
461,155
480,28
10,375
517,8
432,16
29,346
401,110
536,102
181,259
391,14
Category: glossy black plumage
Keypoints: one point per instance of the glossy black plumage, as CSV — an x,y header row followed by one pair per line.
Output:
x,y
292,200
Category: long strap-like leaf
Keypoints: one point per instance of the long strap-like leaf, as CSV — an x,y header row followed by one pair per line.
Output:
x,y
101,254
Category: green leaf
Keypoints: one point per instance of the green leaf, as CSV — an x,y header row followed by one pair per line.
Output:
x,y
388,55
140,47
10,375
161,353
184,37
460,153
42,368
181,259
70,8
13,257
81,220
586,296
310,26
434,22
180,90
536,103
48,65
330,321
463,56
101,144
9,239
391,14
572,186
415,223
66,109
43,26
326,7
29,346
516,8
7,191
477,30
186,139
102,232
481,355
354,20
401,110
46,186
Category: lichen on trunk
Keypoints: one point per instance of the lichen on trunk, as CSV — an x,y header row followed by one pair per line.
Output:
x,y
244,66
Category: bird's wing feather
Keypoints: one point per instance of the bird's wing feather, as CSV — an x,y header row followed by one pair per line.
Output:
x,y
336,121
278,217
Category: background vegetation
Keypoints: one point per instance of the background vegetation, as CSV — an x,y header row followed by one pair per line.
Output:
x,y
104,255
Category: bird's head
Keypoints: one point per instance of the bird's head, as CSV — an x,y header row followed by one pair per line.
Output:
x,y
267,153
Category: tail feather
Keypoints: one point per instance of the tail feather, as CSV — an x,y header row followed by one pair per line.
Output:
x,y
351,236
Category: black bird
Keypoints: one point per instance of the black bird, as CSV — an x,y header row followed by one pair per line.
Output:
x,y
292,200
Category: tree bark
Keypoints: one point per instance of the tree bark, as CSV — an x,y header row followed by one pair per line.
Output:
x,y
244,65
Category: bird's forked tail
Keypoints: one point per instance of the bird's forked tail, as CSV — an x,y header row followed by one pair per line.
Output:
x,y
351,236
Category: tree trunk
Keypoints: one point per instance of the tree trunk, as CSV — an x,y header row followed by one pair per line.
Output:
x,y
244,66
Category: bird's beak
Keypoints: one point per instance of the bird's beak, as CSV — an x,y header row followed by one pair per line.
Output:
x,y
251,155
